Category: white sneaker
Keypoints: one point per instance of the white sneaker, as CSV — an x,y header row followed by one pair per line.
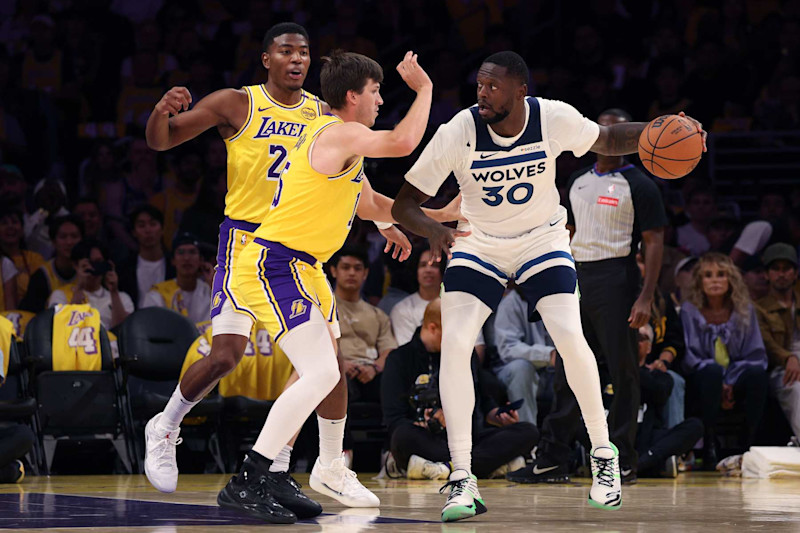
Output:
x,y
606,491
511,466
419,468
464,500
159,459
341,484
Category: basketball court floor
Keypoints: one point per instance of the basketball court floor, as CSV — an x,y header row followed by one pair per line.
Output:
x,y
693,502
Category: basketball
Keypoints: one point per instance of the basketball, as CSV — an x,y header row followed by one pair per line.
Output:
x,y
670,146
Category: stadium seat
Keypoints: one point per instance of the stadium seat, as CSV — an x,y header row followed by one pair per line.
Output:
x,y
77,405
152,345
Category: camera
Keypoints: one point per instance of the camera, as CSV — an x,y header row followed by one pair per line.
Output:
x,y
100,268
425,395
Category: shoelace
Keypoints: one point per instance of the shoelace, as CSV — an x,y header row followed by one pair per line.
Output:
x,y
605,470
350,479
457,487
166,449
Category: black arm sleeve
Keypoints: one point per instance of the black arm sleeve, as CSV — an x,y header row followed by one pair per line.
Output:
x,y
38,292
648,206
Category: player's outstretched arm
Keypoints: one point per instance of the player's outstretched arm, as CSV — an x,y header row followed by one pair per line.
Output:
x,y
623,138
164,131
407,211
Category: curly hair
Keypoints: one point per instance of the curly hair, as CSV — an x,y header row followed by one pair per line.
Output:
x,y
737,296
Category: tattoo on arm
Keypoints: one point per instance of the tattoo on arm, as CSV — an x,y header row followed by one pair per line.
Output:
x,y
619,139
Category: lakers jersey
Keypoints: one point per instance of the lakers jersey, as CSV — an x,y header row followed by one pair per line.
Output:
x,y
257,152
312,212
19,319
76,338
55,281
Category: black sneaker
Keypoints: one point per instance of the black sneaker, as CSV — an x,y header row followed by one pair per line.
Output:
x,y
628,475
540,471
286,490
247,494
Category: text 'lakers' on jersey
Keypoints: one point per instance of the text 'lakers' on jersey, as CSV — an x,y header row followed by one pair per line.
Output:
x,y
257,152
313,212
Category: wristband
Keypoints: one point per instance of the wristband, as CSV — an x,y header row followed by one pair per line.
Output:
x,y
382,225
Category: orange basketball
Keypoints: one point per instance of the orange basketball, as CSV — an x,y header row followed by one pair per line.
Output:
x,y
670,146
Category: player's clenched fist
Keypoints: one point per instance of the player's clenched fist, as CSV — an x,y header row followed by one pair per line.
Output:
x,y
413,74
175,100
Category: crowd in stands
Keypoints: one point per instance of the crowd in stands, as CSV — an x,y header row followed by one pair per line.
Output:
x,y
90,215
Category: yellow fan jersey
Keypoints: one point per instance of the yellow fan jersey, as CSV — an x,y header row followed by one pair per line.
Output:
x,y
20,321
313,212
6,337
257,152
53,279
76,338
262,372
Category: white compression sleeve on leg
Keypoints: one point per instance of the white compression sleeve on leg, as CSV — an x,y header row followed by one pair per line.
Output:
x,y
562,319
463,316
313,355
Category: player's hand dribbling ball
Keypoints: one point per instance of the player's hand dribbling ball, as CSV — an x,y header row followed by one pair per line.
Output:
x,y
671,146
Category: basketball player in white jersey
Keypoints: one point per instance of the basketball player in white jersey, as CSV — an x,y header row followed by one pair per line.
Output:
x,y
503,153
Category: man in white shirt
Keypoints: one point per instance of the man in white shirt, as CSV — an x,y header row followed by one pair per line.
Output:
x,y
150,266
187,293
502,152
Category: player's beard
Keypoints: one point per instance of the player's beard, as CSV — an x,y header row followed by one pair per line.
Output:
x,y
498,116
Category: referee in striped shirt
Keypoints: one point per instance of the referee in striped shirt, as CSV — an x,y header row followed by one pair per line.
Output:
x,y
611,207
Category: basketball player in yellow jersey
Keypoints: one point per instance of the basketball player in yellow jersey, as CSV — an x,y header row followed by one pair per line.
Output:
x,y
280,277
259,124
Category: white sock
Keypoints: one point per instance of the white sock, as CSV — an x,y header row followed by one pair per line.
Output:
x,y
562,319
463,316
281,461
331,437
177,408
311,352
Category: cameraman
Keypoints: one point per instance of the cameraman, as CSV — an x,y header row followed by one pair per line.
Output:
x,y
497,439
96,284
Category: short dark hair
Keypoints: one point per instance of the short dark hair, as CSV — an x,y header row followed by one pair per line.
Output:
x,y
150,210
617,112
416,257
346,71
83,249
515,65
350,251
57,222
282,29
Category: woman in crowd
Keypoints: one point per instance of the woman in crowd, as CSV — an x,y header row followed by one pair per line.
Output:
x,y
725,362
12,245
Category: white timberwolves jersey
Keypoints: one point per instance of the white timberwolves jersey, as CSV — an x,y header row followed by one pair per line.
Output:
x,y
507,183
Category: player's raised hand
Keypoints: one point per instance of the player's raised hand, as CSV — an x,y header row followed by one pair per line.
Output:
x,y
397,239
697,123
413,74
441,239
174,101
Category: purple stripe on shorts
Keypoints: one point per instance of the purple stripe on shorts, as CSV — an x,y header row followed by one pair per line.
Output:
x,y
222,269
284,251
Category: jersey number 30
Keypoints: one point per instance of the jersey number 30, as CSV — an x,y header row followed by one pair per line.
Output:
x,y
518,194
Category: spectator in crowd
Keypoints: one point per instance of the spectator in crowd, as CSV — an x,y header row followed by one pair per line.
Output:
x,y
12,246
771,226
65,233
150,265
417,433
779,319
670,259
95,228
684,274
206,214
50,200
187,293
725,362
525,349
755,277
96,283
666,350
8,284
400,286
176,199
15,439
366,332
700,208
406,315
659,443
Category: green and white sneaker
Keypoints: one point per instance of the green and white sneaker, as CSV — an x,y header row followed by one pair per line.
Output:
x,y
606,491
464,500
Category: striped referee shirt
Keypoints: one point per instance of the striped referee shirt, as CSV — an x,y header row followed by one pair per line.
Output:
x,y
610,211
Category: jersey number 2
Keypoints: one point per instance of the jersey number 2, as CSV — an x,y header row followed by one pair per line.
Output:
x,y
518,194
276,167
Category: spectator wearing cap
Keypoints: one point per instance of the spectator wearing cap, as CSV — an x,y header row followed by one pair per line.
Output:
x,y
725,362
755,277
771,227
683,280
50,199
150,266
187,293
779,319
65,233
96,284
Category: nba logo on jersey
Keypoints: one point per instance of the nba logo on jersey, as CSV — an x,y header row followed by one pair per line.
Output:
x,y
244,240
298,308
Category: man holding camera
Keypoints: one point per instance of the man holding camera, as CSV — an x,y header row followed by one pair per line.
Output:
x,y
417,427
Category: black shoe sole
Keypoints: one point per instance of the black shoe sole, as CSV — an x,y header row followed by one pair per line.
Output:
x,y
563,478
225,501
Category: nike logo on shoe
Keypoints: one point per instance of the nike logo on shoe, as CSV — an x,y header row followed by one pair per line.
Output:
x,y
330,489
626,472
537,470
